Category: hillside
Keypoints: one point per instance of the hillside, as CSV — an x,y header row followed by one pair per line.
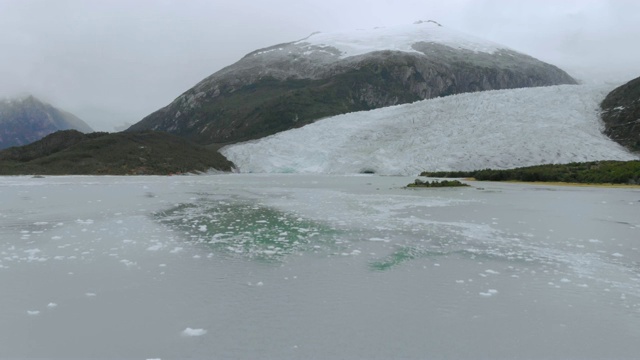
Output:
x,y
290,85
25,120
494,129
621,115
73,153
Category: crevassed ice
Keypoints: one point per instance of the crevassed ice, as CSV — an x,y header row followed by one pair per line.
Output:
x,y
493,129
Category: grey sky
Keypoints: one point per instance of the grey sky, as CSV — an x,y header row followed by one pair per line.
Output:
x,y
116,61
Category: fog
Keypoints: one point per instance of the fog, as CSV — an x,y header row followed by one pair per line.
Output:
x,y
115,62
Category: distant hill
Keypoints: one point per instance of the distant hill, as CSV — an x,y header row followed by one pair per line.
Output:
x,y
72,153
25,120
290,85
621,115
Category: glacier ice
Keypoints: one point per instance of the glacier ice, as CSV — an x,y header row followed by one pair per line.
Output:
x,y
494,129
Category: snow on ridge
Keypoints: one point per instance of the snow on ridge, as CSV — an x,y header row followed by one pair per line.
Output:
x,y
397,38
493,129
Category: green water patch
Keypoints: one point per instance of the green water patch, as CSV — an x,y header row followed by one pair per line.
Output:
x,y
247,229
439,248
403,254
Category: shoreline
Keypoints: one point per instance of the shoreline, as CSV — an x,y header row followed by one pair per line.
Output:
x,y
559,183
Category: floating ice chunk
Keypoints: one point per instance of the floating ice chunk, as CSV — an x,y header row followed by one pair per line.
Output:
x,y
32,252
90,294
565,280
84,222
617,255
33,312
128,263
459,281
493,272
379,239
155,247
189,332
259,283
40,223
52,305
202,228
176,250
489,293
56,237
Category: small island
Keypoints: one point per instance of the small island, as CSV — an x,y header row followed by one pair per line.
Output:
x,y
436,184
594,172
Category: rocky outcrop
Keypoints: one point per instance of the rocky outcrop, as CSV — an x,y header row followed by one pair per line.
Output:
x,y
23,121
621,115
290,85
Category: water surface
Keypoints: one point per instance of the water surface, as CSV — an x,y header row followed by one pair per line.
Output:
x,y
317,267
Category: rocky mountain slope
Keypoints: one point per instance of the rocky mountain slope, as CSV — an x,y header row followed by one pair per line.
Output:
x,y
146,153
493,129
621,115
289,85
25,120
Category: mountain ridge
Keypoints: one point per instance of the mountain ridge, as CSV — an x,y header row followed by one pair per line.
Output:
x,y
293,84
27,119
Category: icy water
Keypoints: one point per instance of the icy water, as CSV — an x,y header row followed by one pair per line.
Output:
x,y
316,267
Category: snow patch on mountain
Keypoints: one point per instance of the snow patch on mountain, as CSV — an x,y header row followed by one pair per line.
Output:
x,y
493,129
397,38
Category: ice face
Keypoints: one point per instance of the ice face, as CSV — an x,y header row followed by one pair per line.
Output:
x,y
493,129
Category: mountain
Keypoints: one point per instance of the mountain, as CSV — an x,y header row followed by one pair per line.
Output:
x,y
293,84
25,120
493,129
71,152
621,115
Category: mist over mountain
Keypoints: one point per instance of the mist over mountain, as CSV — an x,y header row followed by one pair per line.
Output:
x,y
293,84
27,119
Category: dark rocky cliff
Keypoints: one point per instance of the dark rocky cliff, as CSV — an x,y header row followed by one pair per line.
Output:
x,y
621,115
290,85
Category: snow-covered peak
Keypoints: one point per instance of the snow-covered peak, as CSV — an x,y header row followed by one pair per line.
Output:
x,y
397,38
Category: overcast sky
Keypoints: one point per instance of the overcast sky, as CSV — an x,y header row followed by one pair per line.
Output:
x,y
116,61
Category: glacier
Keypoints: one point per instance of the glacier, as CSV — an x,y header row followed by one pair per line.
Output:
x,y
493,129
